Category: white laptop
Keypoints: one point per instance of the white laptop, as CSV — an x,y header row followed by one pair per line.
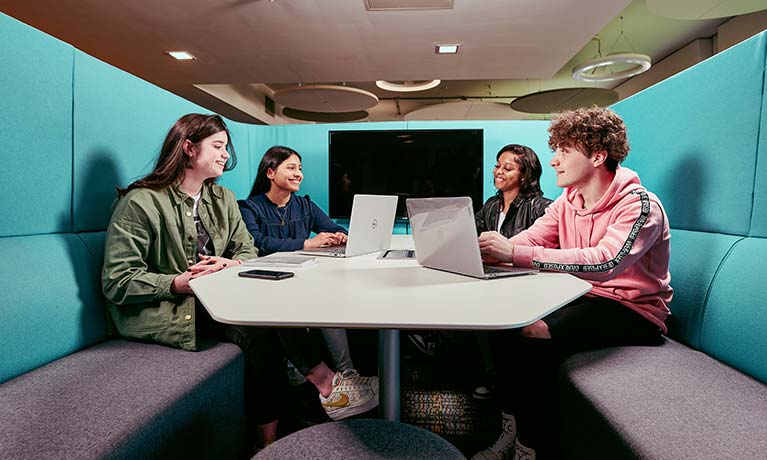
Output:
x,y
445,238
370,227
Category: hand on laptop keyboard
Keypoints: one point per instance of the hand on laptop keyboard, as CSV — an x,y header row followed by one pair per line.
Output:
x,y
325,239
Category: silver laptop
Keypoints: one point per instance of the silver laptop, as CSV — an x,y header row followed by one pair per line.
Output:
x,y
445,238
370,227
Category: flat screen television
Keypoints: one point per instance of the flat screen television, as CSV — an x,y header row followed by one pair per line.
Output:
x,y
409,163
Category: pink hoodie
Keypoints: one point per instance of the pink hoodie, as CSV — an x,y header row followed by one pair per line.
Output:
x,y
620,245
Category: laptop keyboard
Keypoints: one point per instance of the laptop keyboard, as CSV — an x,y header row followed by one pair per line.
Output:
x,y
489,269
335,250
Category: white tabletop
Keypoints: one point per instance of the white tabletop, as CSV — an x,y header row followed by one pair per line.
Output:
x,y
366,292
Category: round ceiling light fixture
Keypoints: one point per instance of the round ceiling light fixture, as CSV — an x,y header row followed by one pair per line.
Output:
x,y
589,71
407,86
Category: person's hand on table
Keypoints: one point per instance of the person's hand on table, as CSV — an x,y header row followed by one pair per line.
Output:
x,y
206,266
495,247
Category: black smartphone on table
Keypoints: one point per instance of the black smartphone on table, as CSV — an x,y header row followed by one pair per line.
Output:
x,y
266,274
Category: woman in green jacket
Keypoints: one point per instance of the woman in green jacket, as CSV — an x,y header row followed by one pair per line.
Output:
x,y
176,224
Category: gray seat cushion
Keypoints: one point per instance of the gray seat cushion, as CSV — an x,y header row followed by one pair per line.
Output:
x,y
122,399
666,402
361,439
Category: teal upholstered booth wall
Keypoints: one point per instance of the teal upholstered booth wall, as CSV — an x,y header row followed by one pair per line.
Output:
x,y
694,139
699,140
36,132
759,216
120,122
692,273
734,323
73,128
50,301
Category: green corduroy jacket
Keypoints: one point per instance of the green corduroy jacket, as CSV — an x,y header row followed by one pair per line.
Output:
x,y
150,240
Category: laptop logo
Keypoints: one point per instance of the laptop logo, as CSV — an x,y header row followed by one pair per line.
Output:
x,y
375,224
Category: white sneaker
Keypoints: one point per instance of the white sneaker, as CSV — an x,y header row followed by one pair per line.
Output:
x,y
504,447
352,394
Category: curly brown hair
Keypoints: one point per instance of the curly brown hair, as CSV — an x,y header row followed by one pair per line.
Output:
x,y
592,130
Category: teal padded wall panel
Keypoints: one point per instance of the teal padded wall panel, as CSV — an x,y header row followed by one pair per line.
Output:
x,y
94,243
734,329
694,136
260,138
36,131
497,134
120,122
50,308
759,217
692,271
239,180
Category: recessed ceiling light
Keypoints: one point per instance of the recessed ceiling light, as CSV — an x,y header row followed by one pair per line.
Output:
x,y
447,49
404,5
180,55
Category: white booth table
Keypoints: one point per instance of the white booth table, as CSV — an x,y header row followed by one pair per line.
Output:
x,y
367,292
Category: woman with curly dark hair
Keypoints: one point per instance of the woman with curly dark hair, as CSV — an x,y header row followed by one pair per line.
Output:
x,y
519,200
605,228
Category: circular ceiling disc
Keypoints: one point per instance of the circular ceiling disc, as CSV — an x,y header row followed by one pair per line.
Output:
x,y
557,100
326,98
463,110
324,117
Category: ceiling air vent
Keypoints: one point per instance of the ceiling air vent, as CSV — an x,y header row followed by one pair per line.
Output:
x,y
394,5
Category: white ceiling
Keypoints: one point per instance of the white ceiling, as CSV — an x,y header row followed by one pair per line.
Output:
x,y
508,47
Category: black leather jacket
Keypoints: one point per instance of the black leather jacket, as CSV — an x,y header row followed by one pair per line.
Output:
x,y
522,213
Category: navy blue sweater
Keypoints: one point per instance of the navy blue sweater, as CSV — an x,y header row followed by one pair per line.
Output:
x,y
284,229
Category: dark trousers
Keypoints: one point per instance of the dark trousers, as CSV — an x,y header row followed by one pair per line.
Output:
x,y
265,351
527,367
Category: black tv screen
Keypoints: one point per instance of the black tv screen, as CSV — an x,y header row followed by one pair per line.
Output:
x,y
410,164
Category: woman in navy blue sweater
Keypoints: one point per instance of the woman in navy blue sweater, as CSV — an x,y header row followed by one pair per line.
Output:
x,y
280,220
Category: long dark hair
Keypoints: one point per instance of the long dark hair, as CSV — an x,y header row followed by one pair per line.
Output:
x,y
272,159
529,166
172,160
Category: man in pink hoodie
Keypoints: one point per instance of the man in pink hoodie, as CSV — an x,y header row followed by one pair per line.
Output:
x,y
604,228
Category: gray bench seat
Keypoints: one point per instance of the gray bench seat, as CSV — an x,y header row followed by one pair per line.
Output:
x,y
668,402
121,399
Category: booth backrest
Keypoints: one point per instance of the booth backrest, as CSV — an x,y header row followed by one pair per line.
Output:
x,y
73,128
694,139
699,140
53,305
734,325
